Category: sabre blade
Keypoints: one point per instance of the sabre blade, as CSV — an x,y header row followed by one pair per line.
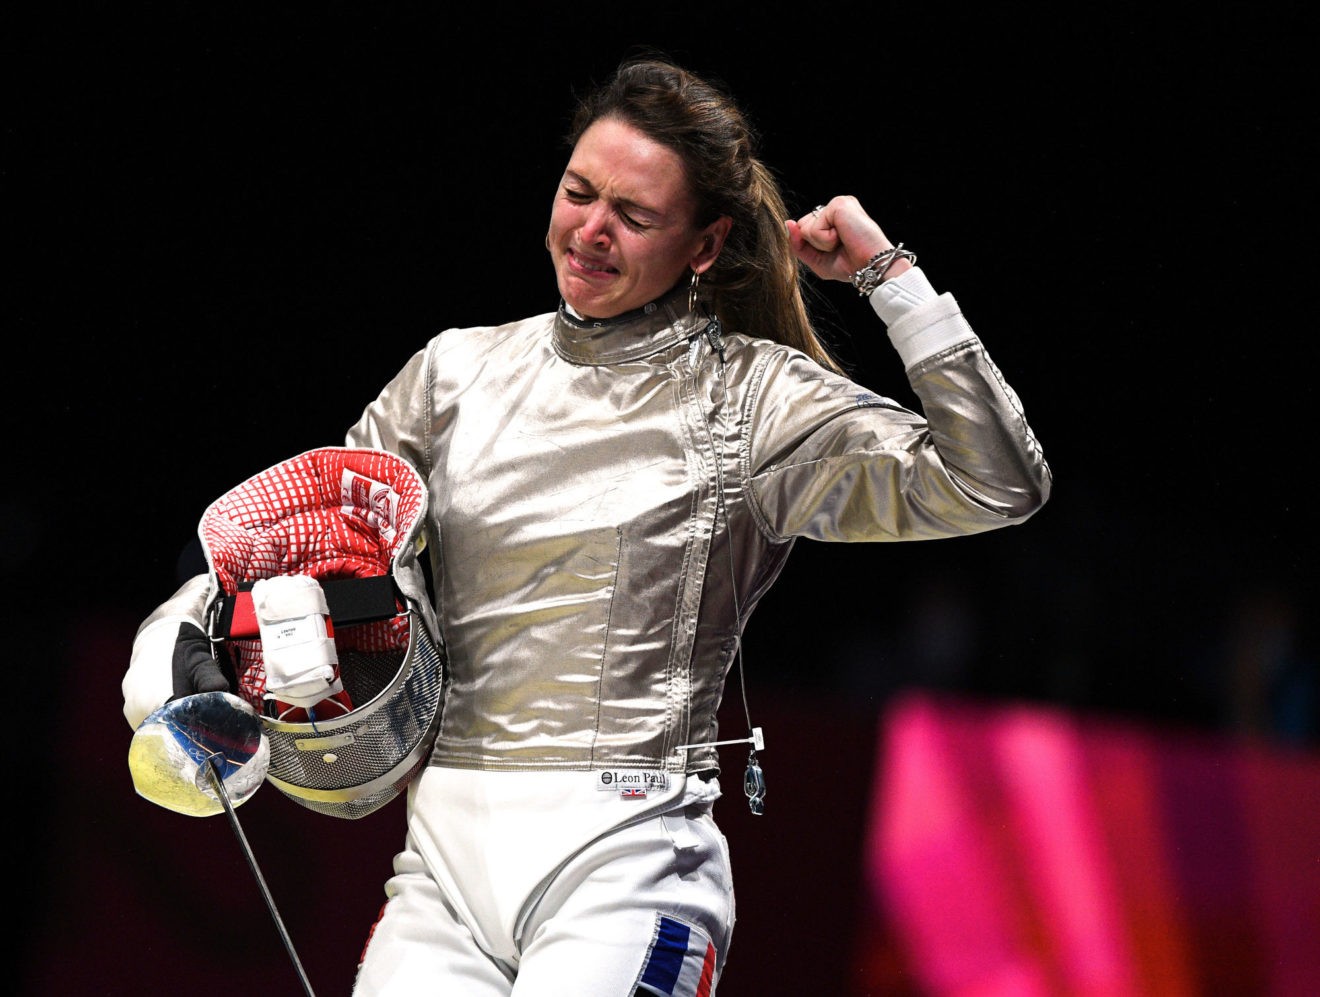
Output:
x,y
218,783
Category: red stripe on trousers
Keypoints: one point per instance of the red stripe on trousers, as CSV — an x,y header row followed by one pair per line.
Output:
x,y
707,973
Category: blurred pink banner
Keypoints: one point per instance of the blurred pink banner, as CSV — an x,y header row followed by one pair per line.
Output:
x,y
1028,851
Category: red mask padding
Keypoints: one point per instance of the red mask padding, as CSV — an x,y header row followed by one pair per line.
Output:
x,y
331,513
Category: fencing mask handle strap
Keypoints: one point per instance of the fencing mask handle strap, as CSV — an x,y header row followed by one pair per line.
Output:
x,y
350,600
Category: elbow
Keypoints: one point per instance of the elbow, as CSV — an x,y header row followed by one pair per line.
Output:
x,y
1031,495
1010,501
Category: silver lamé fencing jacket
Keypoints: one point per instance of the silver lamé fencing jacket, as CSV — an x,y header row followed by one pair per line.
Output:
x,y
610,500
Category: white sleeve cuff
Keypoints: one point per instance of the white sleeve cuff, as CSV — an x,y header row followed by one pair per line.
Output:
x,y
895,298
921,323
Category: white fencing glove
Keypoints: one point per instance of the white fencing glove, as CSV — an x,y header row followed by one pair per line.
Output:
x,y
171,658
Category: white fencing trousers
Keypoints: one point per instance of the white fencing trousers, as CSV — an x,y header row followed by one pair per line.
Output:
x,y
538,884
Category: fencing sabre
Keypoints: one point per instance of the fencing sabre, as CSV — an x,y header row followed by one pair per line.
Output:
x,y
190,753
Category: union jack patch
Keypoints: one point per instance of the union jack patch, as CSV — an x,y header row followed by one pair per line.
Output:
x,y
632,793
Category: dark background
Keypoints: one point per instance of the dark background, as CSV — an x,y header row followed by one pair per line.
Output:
x,y
229,227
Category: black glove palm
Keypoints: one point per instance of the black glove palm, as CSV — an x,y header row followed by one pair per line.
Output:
x,y
195,668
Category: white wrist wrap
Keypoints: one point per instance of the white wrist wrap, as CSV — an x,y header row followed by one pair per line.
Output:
x,y
296,644
921,322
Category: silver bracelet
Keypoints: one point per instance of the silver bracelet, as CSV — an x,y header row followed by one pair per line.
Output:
x,y
869,277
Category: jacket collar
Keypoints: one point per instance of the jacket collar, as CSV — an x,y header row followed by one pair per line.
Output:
x,y
630,336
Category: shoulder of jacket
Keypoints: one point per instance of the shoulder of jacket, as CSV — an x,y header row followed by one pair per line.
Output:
x,y
482,338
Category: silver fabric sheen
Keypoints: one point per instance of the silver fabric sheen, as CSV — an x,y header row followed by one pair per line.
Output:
x,y
586,577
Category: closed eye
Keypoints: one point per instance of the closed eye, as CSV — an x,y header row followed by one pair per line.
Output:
x,y
586,197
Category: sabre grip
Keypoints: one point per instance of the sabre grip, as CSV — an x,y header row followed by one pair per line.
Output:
x,y
195,668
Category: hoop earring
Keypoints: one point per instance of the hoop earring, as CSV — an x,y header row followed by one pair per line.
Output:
x,y
692,290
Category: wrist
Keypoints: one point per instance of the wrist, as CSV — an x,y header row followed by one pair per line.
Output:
x,y
900,266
